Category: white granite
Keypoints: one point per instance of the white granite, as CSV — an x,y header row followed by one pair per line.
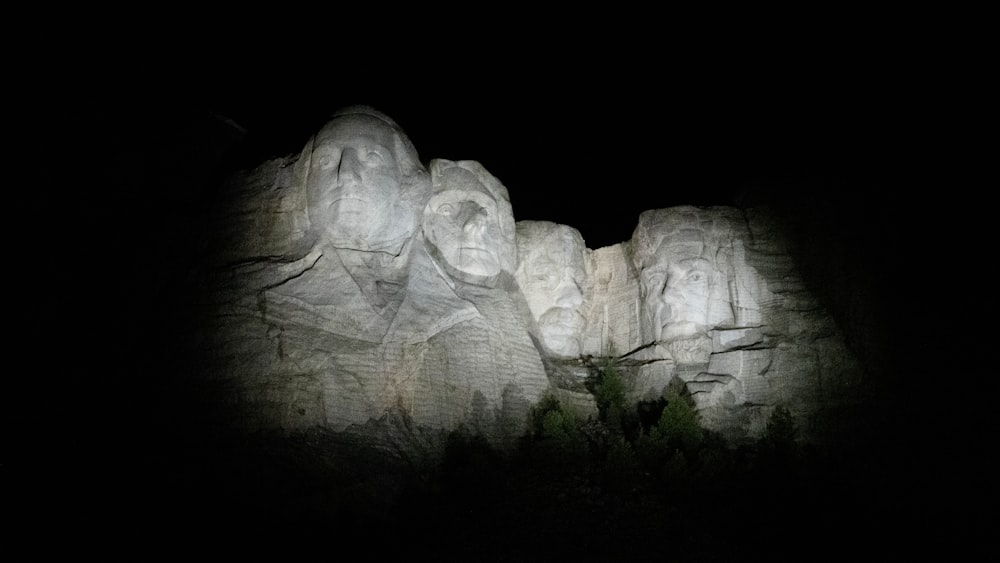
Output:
x,y
354,284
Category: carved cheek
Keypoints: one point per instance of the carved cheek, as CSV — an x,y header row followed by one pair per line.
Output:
x,y
452,236
658,312
436,231
379,188
567,294
322,185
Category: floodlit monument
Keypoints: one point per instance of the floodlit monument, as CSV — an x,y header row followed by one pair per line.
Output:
x,y
355,284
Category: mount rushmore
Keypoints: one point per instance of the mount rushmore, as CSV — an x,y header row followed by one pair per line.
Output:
x,y
352,282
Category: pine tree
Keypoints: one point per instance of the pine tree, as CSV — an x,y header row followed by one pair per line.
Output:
x,y
679,425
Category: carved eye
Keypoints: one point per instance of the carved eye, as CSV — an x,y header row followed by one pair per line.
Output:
x,y
324,162
655,284
374,157
695,277
446,209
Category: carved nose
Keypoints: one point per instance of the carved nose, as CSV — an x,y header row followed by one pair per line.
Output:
x,y
349,170
475,226
568,294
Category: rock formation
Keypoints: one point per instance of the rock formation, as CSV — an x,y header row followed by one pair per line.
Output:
x,y
458,353
352,285
552,274
723,309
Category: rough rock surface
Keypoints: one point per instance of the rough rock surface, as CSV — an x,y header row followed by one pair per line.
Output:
x,y
351,283
729,314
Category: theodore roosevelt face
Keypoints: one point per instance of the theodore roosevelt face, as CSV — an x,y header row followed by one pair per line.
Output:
x,y
551,274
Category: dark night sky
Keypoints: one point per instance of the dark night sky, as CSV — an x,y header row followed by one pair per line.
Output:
x,y
582,128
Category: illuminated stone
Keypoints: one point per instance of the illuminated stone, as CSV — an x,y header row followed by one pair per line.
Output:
x,y
459,352
353,285
552,275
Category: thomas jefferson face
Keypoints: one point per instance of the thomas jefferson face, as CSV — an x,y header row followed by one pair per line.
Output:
x,y
468,223
356,181
463,225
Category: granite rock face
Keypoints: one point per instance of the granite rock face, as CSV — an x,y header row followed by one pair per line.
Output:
x,y
352,284
553,274
722,307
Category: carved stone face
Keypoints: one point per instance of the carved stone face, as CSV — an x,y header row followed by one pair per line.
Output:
x,y
551,275
677,294
469,223
355,183
684,292
462,227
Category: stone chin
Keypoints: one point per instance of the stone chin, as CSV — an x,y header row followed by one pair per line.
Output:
x,y
476,262
562,345
363,241
560,329
483,271
353,224
681,330
352,210
694,349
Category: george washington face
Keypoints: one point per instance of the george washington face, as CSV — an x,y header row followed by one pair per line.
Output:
x,y
356,183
